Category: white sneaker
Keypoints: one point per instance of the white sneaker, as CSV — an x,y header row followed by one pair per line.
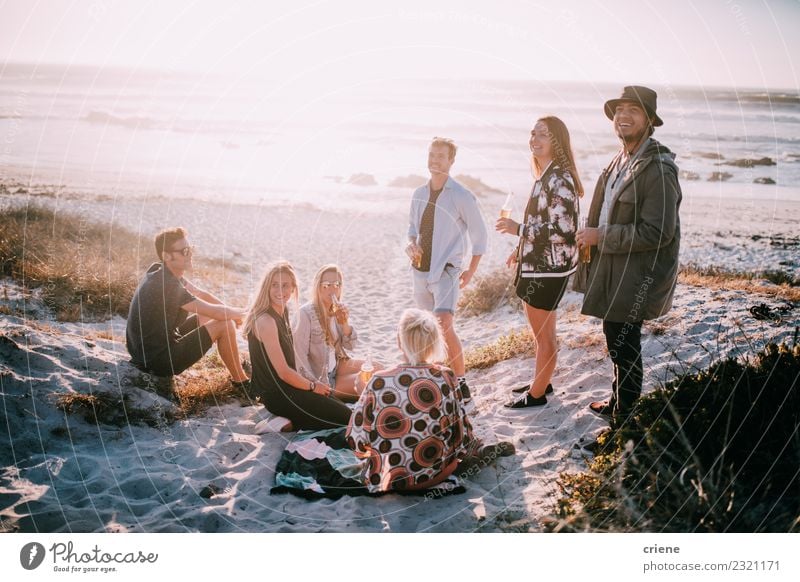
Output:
x,y
271,424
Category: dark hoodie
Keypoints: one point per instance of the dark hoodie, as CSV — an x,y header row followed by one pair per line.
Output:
x,y
634,267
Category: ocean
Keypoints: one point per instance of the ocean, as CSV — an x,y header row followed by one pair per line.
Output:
x,y
127,133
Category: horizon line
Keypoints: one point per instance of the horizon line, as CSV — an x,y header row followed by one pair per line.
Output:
x,y
194,72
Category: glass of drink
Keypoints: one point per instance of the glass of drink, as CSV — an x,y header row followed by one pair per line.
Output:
x,y
365,374
415,254
505,211
586,251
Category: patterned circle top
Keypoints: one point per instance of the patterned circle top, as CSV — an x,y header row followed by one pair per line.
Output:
x,y
410,424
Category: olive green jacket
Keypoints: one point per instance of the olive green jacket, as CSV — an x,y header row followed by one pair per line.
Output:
x,y
634,268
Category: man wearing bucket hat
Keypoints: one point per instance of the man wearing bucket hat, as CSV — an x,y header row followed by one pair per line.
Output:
x,y
634,236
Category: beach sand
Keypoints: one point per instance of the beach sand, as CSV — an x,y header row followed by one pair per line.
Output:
x,y
60,473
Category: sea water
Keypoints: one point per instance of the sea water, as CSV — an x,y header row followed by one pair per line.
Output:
x,y
243,139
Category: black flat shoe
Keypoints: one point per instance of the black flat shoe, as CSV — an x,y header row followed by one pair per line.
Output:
x,y
527,401
523,389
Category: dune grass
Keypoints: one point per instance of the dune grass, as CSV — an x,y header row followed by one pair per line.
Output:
x,y
488,292
88,271
714,451
496,288
110,409
84,270
503,348
207,384
784,286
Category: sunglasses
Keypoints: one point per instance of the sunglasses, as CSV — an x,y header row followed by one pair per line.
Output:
x,y
327,285
185,251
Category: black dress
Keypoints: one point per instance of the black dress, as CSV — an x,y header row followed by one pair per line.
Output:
x,y
306,410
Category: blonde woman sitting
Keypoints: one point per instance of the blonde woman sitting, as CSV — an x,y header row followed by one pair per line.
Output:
x,y
323,335
285,392
410,420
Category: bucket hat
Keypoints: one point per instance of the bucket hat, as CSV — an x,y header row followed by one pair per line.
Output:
x,y
643,96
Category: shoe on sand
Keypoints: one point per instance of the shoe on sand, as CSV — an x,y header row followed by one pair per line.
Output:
x,y
526,401
602,409
526,387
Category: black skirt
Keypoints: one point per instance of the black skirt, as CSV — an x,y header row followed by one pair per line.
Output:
x,y
542,292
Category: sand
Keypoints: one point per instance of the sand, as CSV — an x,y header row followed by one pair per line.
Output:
x,y
59,473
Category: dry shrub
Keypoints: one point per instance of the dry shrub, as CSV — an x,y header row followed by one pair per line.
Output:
x,y
588,340
503,348
110,409
488,293
106,335
719,278
84,270
207,384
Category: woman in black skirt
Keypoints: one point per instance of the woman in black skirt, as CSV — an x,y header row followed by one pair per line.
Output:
x,y
547,253
306,403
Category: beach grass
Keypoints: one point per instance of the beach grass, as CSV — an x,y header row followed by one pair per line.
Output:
x,y
84,270
207,384
87,271
712,451
488,292
110,409
503,348
496,288
783,286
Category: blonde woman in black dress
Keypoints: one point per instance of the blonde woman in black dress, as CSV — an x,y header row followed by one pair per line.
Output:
x,y
283,390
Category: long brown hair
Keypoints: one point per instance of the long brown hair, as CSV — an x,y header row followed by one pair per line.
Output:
x,y
323,314
562,150
261,303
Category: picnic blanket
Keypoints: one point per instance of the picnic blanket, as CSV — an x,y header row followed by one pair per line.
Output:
x,y
320,464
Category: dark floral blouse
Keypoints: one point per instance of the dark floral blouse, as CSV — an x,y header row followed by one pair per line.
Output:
x,y
547,246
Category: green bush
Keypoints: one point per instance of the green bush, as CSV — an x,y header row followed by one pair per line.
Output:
x,y
714,451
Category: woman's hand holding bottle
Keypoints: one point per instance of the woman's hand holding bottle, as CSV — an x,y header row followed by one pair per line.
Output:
x,y
506,226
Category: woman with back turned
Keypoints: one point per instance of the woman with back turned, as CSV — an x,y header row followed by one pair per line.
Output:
x,y
410,422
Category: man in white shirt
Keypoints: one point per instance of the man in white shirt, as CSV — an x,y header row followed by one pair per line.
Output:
x,y
444,217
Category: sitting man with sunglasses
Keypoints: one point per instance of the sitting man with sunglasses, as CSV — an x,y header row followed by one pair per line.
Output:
x,y
172,323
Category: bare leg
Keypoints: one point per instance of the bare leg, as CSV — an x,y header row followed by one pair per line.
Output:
x,y
543,326
347,388
455,354
223,333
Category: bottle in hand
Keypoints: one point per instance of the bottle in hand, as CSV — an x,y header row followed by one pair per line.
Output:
x,y
365,375
585,252
505,211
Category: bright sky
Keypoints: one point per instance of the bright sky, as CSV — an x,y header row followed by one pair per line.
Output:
x,y
740,43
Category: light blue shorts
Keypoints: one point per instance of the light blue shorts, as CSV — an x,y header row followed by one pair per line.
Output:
x,y
439,297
